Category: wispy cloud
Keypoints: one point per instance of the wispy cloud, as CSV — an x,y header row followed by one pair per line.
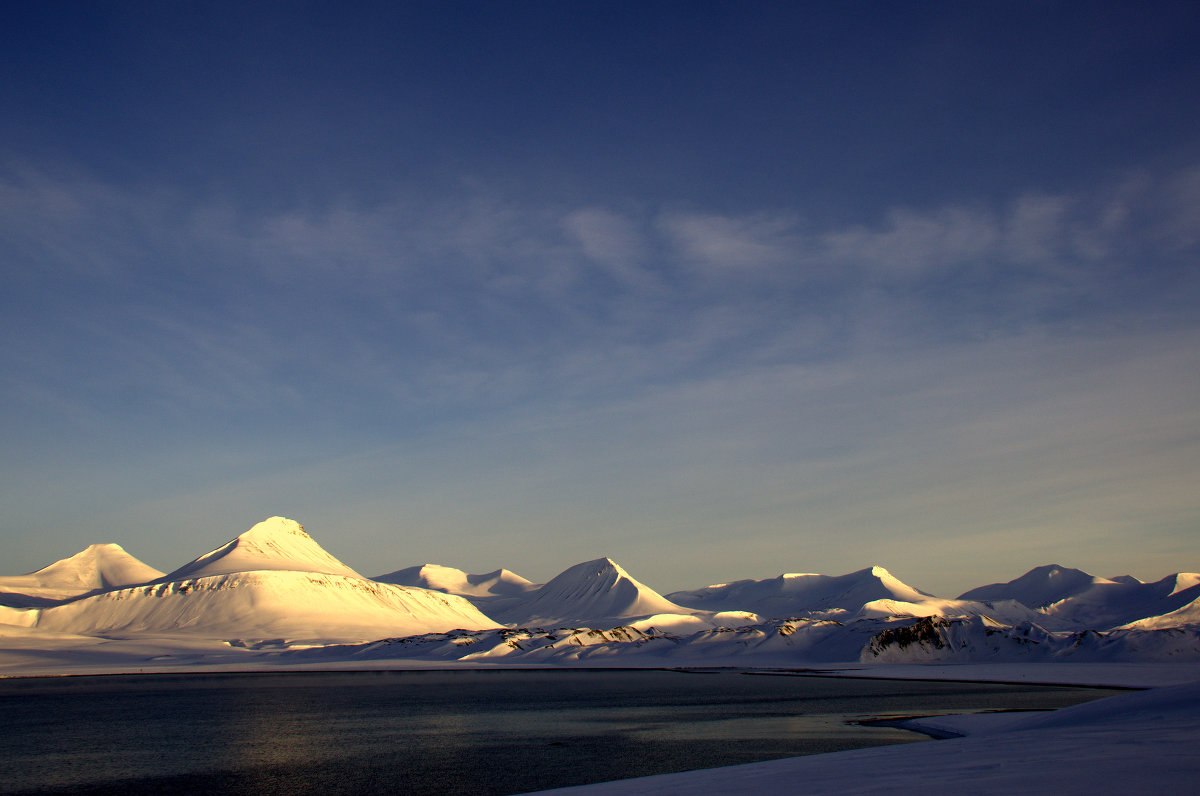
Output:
x,y
912,245
1035,231
720,242
945,373
1181,211
472,298
614,242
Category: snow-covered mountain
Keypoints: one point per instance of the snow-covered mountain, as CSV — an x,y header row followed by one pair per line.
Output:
x,y
1186,616
1039,587
448,580
98,566
276,543
1087,601
595,593
1008,612
274,586
492,593
251,607
272,582
781,643
793,595
1111,604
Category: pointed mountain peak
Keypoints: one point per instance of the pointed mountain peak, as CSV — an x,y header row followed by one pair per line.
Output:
x,y
882,578
101,548
597,590
276,535
599,567
89,553
276,543
275,526
97,566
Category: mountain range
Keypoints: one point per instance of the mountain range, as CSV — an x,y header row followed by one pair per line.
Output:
x,y
275,586
273,581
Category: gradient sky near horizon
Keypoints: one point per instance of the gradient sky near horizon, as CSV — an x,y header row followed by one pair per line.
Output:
x,y
719,290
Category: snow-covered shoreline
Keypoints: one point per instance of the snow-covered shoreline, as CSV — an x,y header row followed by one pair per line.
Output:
x,y
1141,742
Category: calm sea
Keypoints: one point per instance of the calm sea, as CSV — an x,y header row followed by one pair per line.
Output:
x,y
478,732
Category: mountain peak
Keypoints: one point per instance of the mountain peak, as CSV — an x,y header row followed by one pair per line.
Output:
x,y
1039,587
275,535
276,526
1052,571
103,547
596,590
97,566
602,566
449,580
276,543
1181,581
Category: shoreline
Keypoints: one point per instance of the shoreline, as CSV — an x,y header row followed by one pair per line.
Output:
x,y
1137,742
1113,676
1116,738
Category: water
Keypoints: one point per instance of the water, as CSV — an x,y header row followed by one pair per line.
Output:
x,y
479,732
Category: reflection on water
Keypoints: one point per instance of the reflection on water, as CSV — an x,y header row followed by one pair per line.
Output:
x,y
490,732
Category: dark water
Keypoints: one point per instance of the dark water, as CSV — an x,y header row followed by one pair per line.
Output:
x,y
489,732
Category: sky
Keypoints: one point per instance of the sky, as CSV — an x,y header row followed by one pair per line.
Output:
x,y
718,290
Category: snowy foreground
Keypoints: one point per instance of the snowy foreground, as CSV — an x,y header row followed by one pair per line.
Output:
x,y
1142,742
272,599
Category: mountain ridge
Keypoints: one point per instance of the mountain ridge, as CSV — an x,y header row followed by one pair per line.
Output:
x,y
436,577
799,594
275,581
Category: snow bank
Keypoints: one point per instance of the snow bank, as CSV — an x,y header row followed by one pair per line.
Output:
x,y
1134,743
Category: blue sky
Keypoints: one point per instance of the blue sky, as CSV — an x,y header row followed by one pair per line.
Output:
x,y
717,290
